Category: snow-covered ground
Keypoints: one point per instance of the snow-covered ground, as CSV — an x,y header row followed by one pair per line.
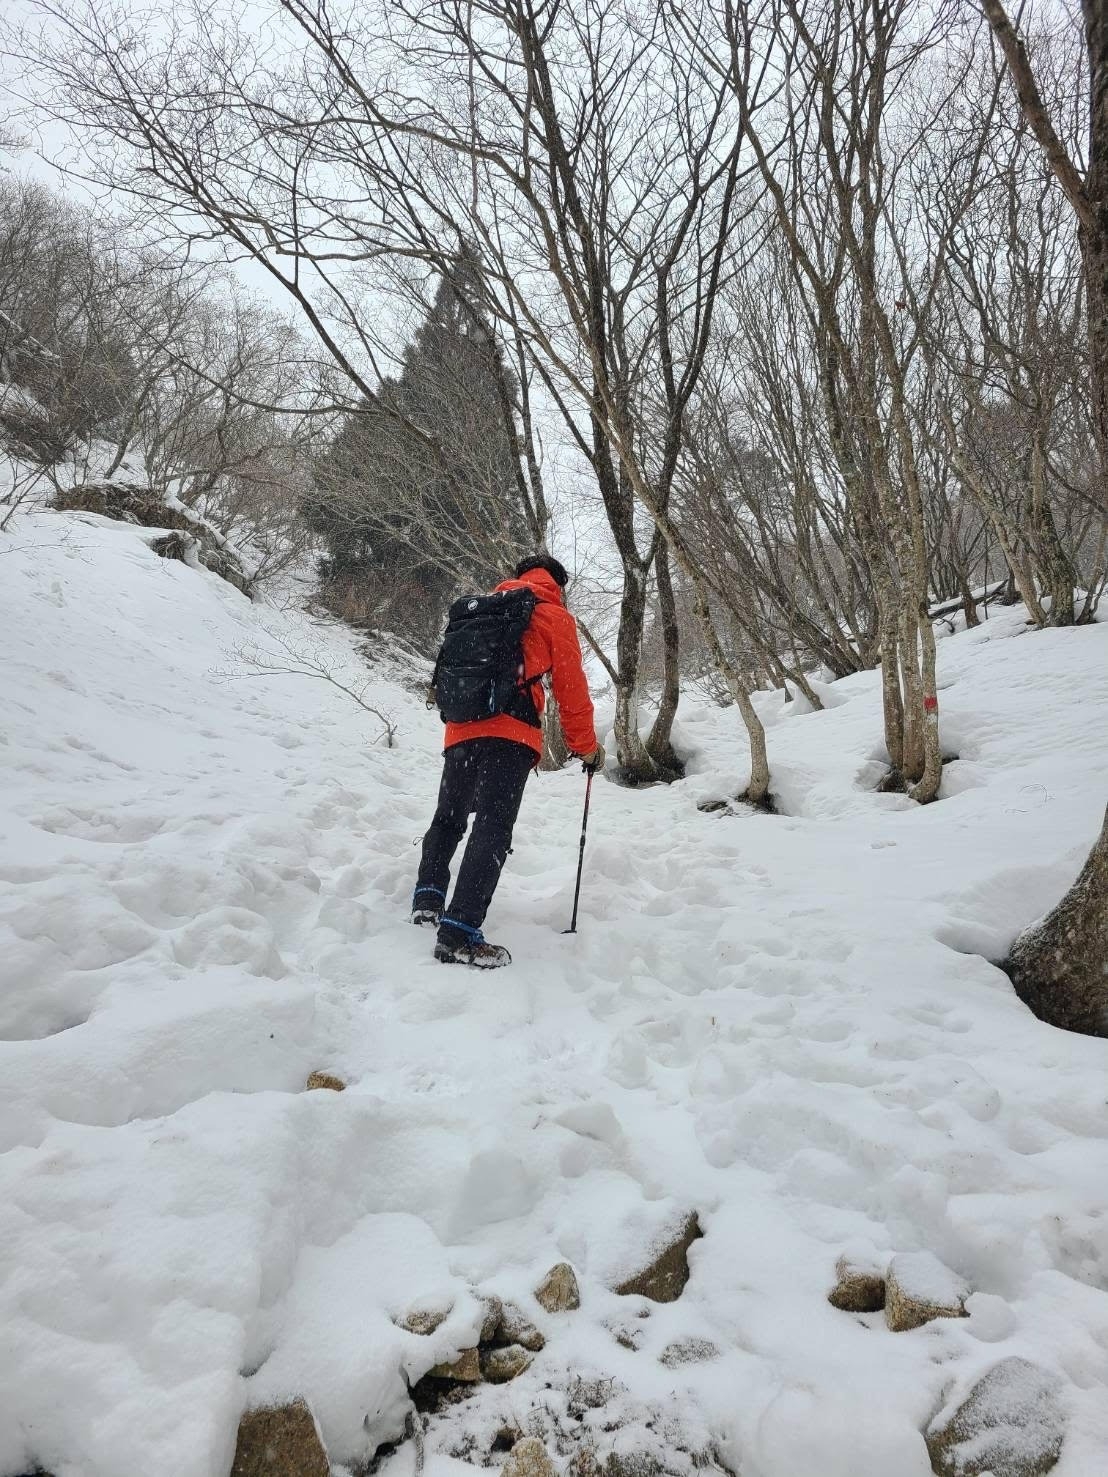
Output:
x,y
785,1023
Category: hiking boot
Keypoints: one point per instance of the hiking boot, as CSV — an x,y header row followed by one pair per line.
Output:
x,y
426,906
464,945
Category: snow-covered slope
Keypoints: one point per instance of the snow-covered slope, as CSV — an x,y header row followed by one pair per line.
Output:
x,y
784,1023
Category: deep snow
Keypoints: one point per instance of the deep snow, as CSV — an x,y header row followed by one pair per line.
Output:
x,y
783,1022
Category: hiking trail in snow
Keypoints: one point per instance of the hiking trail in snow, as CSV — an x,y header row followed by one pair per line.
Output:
x,y
786,1023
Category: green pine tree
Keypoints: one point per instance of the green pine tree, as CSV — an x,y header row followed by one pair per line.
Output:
x,y
418,498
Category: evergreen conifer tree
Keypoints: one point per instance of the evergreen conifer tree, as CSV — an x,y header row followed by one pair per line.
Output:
x,y
418,497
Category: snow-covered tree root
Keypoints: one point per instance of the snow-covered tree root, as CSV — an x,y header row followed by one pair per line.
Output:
x,y
1059,966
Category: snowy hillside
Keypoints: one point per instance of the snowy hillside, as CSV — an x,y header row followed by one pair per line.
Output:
x,y
784,1024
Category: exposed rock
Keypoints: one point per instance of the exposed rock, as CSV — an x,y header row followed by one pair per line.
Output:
x,y
688,1351
860,1286
424,1319
500,1365
663,1279
1010,1425
280,1441
325,1079
516,1328
528,1458
466,1369
432,1396
558,1291
494,1313
919,1288
172,546
197,541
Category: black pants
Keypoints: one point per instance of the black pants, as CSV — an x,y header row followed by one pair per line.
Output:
x,y
483,777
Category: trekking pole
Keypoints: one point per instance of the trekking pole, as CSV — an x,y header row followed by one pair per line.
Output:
x,y
581,853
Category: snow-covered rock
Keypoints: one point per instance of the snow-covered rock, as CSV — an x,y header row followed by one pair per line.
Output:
x,y
502,1364
1011,1424
528,1458
514,1327
465,1369
919,1288
859,1286
558,1291
190,538
424,1317
664,1277
280,1441
324,1080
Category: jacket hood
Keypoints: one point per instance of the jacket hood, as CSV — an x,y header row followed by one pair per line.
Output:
x,y
544,585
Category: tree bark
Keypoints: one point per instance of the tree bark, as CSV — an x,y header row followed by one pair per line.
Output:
x,y
1059,966
555,750
658,743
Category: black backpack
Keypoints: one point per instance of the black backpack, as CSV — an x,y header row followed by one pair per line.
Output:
x,y
479,670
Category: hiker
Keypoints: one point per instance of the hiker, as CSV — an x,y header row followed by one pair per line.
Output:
x,y
495,653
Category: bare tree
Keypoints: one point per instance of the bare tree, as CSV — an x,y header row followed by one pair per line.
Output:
x,y
581,152
1058,966
1010,340
835,156
121,363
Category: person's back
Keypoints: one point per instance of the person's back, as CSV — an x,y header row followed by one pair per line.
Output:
x,y
486,764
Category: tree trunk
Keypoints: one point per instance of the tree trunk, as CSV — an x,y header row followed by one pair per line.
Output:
x,y
1059,966
635,764
1057,573
892,702
927,788
906,648
658,744
757,792
555,750
1094,228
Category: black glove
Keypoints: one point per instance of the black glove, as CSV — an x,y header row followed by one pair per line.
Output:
x,y
594,761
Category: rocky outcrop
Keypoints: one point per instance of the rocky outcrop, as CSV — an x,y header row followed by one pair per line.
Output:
x,y
663,1279
492,1324
506,1345
528,1458
919,1288
500,1365
324,1080
424,1319
280,1441
192,540
558,1291
859,1286
514,1327
466,1369
1010,1425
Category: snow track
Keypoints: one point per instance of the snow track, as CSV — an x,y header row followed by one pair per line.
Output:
x,y
783,1022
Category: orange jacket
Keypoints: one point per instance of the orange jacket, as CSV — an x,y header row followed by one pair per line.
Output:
x,y
550,644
